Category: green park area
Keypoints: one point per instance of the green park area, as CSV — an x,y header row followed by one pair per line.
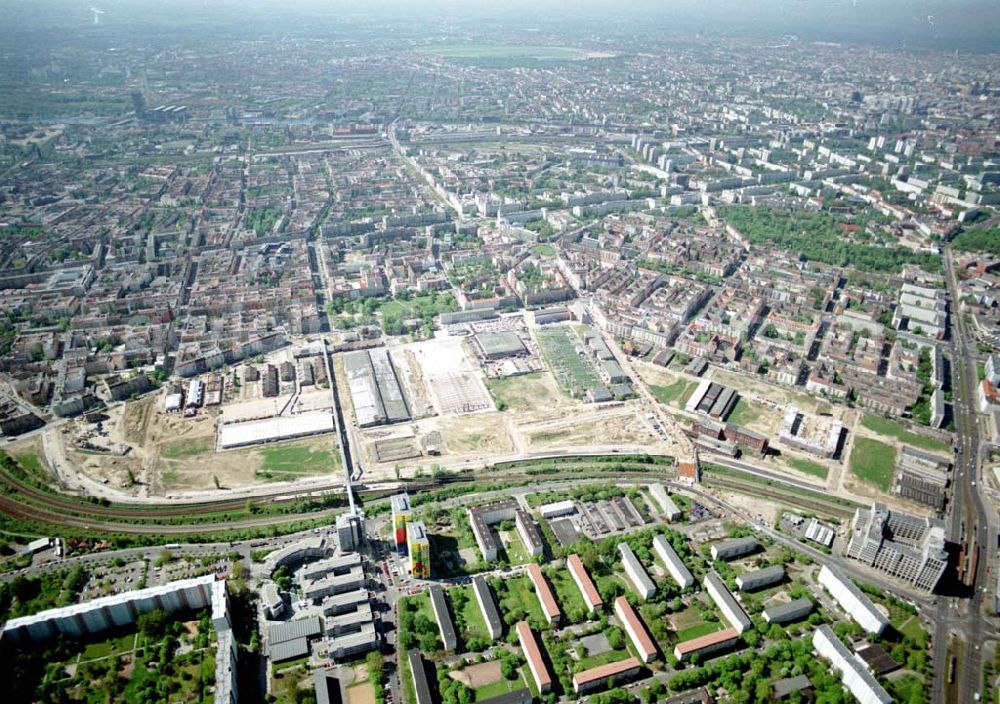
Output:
x,y
518,601
567,595
417,625
543,250
425,308
159,658
894,429
873,462
469,622
819,236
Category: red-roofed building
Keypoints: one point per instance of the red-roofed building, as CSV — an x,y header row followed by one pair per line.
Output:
x,y
533,654
548,601
706,644
636,629
583,582
989,397
595,677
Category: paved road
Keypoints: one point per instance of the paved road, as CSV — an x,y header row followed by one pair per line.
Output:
x,y
968,519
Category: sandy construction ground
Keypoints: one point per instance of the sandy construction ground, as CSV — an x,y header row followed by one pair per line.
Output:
x,y
169,454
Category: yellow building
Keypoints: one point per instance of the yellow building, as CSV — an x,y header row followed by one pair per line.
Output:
x,y
420,549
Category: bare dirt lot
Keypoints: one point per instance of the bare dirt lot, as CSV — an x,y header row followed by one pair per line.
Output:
x,y
617,426
476,676
482,433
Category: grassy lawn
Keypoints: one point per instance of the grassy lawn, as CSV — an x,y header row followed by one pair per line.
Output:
x,y
517,554
518,602
912,628
122,644
892,429
567,593
286,682
495,689
745,412
289,664
182,449
807,467
544,250
873,462
908,688
290,461
702,629
423,602
470,618
680,391
601,659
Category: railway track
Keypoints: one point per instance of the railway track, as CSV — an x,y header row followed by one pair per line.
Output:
x,y
22,500
780,495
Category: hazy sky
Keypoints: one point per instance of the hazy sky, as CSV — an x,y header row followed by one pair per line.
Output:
x,y
945,24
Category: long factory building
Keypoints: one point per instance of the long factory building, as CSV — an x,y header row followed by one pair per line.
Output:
x,y
375,391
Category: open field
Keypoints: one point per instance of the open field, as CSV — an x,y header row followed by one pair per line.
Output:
x,y
873,462
476,433
301,458
676,394
279,462
807,467
528,392
182,449
893,429
499,687
616,426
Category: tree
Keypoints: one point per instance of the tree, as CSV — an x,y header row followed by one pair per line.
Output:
x,y
163,558
153,624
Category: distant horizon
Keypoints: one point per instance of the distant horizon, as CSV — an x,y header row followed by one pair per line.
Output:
x,y
945,25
